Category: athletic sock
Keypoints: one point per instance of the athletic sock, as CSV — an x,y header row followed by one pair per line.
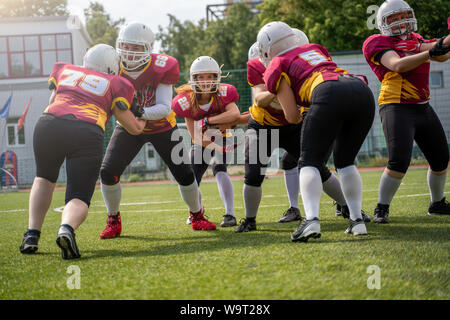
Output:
x,y
226,192
311,191
436,184
112,194
332,187
352,190
252,199
291,180
388,187
191,197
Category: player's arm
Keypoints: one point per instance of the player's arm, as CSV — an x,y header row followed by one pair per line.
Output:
x,y
230,114
263,97
163,105
446,56
287,101
128,121
197,136
391,60
416,45
52,97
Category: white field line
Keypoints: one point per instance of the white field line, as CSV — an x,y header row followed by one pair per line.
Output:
x,y
60,209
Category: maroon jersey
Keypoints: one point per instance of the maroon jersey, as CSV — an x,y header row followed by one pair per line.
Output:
x,y
160,69
271,115
303,68
87,94
255,72
181,104
407,87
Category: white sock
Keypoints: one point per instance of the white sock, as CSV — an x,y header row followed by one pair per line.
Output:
x,y
291,180
352,188
112,196
436,184
311,191
252,199
332,187
388,188
225,187
190,195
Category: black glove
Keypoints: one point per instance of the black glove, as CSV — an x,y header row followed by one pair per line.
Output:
x,y
304,114
439,49
136,109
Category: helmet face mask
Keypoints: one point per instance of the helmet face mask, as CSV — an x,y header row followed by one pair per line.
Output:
x,y
396,18
135,45
205,75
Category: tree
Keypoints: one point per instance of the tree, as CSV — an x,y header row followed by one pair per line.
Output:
x,y
226,40
344,25
33,8
100,26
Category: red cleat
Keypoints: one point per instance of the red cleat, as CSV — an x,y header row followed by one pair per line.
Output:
x,y
113,227
199,222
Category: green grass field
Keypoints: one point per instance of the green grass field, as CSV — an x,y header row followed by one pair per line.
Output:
x,y
159,257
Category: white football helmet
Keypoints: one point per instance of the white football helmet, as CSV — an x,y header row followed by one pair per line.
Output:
x,y
139,34
300,36
103,58
253,52
204,64
274,39
399,27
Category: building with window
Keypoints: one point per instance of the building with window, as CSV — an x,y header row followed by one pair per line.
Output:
x,y
28,49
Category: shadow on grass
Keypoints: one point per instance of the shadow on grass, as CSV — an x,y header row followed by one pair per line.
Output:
x,y
269,233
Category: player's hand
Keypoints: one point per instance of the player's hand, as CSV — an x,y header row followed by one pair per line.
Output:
x,y
203,124
136,109
410,45
439,49
230,147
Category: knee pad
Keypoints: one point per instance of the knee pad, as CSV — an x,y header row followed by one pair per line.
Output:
x,y
325,173
288,161
186,178
399,166
253,177
216,167
107,178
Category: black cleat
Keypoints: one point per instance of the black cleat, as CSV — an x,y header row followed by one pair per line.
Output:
x,y
29,243
246,226
228,221
345,212
66,242
380,214
307,229
439,208
291,214
357,227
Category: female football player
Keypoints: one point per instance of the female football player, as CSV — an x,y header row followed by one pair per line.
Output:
x,y
341,111
206,103
71,128
400,58
152,76
268,115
